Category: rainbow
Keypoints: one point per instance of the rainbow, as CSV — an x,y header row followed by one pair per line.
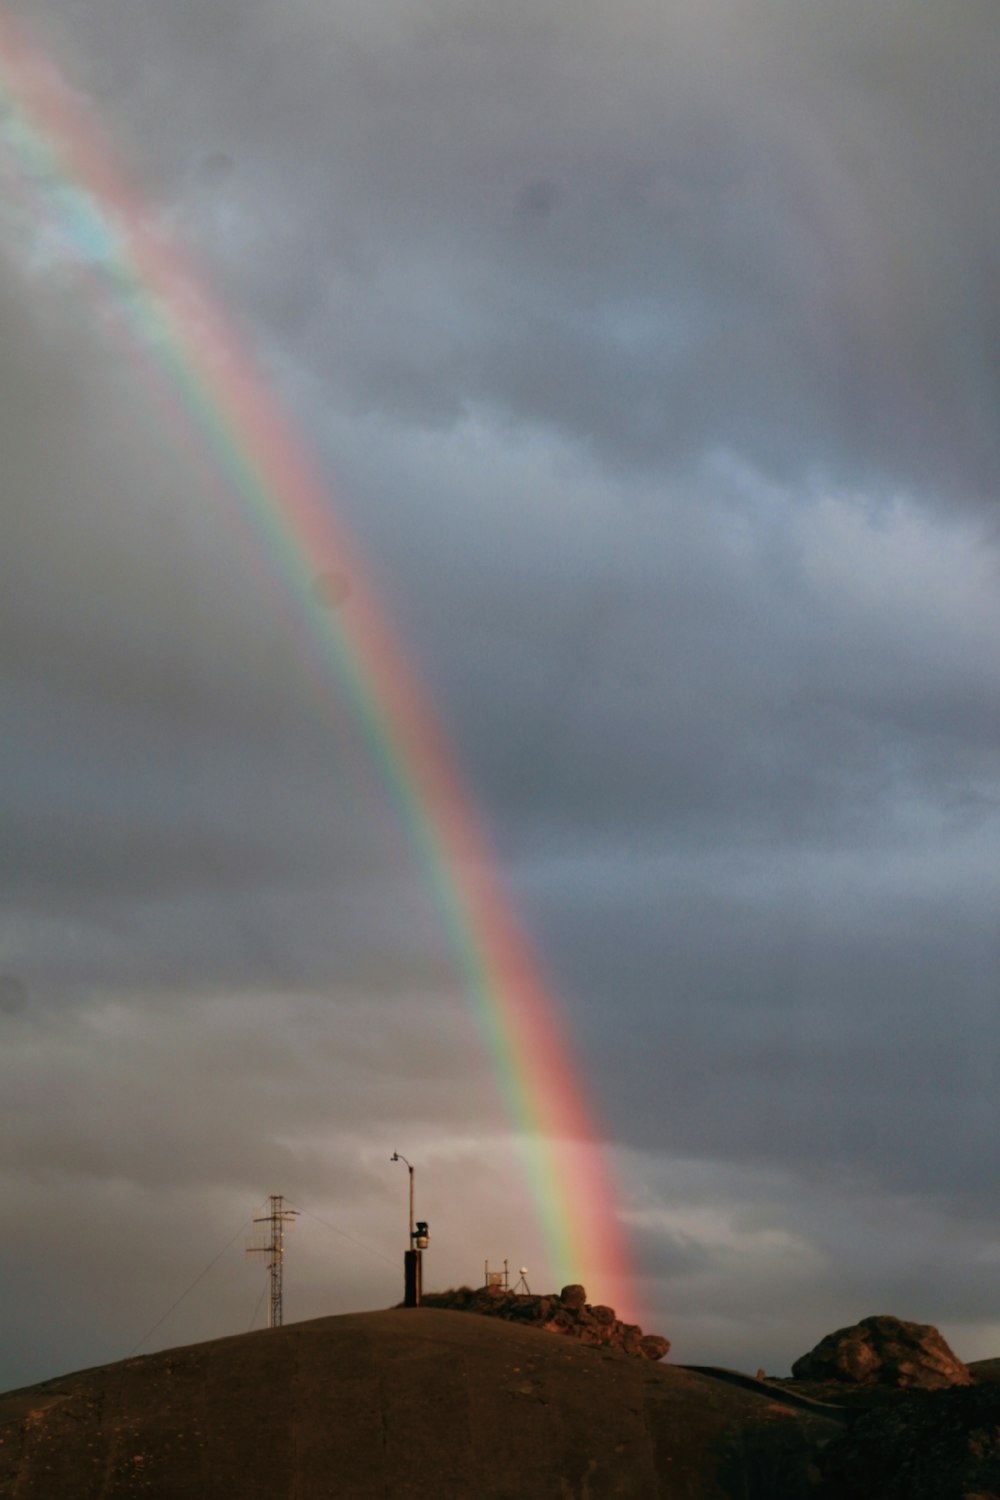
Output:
x,y
54,154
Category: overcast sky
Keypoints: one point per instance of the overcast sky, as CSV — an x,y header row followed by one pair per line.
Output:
x,y
651,353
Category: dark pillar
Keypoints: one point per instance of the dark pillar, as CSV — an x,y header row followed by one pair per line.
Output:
x,y
412,1288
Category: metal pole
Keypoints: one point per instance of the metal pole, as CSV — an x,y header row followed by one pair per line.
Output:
x,y
412,1267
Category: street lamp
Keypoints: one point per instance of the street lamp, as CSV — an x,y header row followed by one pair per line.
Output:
x,y
412,1259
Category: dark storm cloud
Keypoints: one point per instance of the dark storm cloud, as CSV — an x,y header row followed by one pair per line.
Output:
x,y
753,227
759,227
706,664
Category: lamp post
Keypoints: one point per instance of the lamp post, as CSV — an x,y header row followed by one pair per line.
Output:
x,y
413,1257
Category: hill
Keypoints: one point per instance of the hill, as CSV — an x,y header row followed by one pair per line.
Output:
x,y
428,1404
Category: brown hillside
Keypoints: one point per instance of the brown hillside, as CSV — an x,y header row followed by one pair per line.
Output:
x,y
421,1403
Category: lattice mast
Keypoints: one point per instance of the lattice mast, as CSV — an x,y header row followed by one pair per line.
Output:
x,y
274,1248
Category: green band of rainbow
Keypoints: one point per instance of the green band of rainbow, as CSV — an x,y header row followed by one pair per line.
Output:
x,y
54,153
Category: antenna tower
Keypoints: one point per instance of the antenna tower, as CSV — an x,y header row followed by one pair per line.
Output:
x,y
275,1249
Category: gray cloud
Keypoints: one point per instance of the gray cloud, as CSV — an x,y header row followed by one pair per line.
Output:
x,y
765,231
762,229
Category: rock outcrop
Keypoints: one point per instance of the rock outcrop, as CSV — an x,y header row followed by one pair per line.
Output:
x,y
884,1351
568,1313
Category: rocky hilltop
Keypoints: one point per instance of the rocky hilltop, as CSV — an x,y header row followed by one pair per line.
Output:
x,y
419,1404
567,1313
423,1402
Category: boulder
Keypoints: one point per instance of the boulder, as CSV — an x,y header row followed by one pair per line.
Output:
x,y
884,1351
631,1338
